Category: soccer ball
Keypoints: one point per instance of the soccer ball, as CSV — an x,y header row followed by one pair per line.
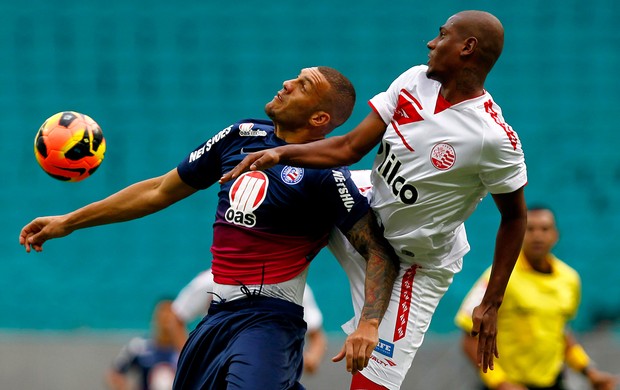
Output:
x,y
69,146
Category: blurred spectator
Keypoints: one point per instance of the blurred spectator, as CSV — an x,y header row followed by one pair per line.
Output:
x,y
542,296
151,361
195,298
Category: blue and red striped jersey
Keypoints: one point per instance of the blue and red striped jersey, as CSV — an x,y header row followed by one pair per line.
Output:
x,y
269,224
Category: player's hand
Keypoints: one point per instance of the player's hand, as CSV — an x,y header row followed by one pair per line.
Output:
x,y
256,161
311,363
601,380
485,328
358,346
40,230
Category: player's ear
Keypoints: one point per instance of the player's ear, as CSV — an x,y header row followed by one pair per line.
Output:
x,y
469,46
320,118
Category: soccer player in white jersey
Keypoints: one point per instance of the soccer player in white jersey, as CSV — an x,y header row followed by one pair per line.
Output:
x,y
444,145
194,300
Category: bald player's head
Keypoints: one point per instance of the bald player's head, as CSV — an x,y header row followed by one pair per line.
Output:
x,y
488,32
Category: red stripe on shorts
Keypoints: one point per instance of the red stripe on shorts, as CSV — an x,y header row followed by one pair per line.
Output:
x,y
403,305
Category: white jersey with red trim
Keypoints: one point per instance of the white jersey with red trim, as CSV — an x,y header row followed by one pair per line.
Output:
x,y
436,162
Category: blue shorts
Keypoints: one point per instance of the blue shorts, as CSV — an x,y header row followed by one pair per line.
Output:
x,y
250,343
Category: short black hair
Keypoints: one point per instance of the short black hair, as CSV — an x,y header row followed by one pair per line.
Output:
x,y
341,98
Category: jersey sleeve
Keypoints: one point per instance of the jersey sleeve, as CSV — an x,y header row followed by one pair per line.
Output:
x,y
474,297
128,355
344,198
312,313
203,166
502,161
194,299
385,103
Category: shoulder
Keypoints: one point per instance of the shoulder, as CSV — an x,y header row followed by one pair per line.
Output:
x,y
343,177
496,130
416,70
336,174
565,270
490,113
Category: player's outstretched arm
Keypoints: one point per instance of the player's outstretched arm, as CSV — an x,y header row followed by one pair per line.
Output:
x,y
137,200
326,153
577,359
381,271
508,243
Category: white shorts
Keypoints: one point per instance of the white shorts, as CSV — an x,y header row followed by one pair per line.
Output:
x,y
416,294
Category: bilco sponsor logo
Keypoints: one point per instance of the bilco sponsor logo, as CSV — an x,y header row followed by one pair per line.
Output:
x,y
196,154
388,169
246,194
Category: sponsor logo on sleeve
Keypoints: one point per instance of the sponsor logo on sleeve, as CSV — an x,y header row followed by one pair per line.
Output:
x,y
196,154
343,191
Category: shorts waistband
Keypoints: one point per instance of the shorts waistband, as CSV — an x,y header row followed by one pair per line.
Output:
x,y
256,302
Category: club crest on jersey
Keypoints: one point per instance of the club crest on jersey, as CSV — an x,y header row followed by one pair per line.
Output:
x,y
291,175
443,156
246,130
246,194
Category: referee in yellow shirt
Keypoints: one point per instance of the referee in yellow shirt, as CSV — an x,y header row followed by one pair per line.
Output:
x,y
533,340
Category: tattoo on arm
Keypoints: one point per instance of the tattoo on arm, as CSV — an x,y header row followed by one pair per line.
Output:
x,y
382,265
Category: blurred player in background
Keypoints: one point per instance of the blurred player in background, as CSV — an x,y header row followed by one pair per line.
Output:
x,y
542,296
443,146
151,361
269,226
195,298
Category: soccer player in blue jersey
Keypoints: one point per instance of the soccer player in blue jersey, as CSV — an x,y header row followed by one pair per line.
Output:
x,y
152,359
268,227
